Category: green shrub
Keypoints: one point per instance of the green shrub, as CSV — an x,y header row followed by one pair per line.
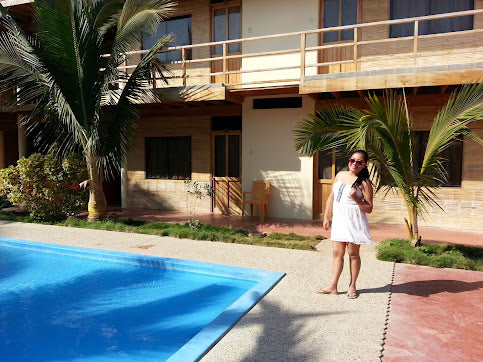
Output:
x,y
435,255
48,187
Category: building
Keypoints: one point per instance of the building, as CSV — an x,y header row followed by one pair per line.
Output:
x,y
245,72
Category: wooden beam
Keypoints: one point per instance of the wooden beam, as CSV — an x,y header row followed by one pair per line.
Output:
x,y
336,95
391,80
415,90
361,93
233,97
442,89
264,91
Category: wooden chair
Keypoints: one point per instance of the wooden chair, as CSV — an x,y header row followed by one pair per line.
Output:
x,y
257,196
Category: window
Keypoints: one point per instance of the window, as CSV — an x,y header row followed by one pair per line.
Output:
x,y
168,158
452,157
331,163
227,154
276,103
339,13
401,9
180,28
226,23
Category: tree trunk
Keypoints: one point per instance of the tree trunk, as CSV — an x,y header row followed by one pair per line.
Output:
x,y
97,205
415,226
412,224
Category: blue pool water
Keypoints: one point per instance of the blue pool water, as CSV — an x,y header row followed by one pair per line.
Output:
x,y
60,303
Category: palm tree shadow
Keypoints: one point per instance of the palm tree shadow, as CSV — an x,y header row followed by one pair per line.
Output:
x,y
281,333
425,288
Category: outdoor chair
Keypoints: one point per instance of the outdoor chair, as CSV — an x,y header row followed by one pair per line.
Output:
x,y
257,196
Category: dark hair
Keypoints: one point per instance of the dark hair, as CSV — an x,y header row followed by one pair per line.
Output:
x,y
364,173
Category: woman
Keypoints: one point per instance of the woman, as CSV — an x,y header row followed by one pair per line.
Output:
x,y
349,202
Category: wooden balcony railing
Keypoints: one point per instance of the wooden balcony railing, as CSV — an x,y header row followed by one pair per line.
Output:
x,y
287,58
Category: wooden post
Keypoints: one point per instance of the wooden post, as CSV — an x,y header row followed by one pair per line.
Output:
x,y
154,73
355,49
183,65
415,44
303,44
225,65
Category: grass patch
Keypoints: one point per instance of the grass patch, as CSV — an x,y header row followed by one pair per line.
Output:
x,y
435,255
192,229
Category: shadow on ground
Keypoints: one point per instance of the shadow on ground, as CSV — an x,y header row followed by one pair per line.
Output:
x,y
425,288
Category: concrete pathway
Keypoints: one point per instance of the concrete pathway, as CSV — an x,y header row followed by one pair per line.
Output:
x,y
292,322
425,314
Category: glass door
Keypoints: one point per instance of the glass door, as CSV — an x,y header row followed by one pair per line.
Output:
x,y
226,172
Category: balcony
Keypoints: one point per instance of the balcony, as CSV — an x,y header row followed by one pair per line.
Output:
x,y
301,62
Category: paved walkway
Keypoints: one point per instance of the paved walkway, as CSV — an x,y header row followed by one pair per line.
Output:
x,y
404,312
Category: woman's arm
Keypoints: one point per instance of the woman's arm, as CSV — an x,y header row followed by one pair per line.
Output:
x,y
366,203
329,205
328,211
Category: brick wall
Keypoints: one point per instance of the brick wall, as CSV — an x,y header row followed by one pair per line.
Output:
x,y
168,194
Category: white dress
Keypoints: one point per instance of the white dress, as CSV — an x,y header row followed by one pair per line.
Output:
x,y
349,223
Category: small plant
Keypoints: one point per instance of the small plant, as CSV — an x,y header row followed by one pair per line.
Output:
x,y
194,224
47,186
195,192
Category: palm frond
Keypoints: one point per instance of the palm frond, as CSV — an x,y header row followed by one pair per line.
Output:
x,y
136,18
461,109
325,130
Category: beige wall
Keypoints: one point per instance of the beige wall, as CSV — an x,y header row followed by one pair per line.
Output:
x,y
268,153
167,194
270,17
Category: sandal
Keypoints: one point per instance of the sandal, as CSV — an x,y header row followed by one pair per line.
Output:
x,y
326,291
352,294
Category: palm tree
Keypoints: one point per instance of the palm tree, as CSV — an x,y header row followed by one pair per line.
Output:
x,y
385,130
83,102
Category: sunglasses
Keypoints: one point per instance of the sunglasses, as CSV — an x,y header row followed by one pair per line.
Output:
x,y
357,162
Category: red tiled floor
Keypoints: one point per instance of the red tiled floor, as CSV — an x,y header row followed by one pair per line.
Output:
x,y
435,314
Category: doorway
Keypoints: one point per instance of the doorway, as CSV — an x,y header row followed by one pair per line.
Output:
x,y
326,166
226,25
226,165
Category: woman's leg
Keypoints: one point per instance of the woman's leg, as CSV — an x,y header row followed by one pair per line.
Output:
x,y
355,267
338,251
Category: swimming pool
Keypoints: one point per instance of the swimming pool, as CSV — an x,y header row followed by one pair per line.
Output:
x,y
60,303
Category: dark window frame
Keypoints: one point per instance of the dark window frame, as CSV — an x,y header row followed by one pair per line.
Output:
x,y
452,157
173,56
168,158
233,48
342,35
425,8
277,103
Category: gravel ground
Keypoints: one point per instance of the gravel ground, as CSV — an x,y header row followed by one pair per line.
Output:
x,y
292,322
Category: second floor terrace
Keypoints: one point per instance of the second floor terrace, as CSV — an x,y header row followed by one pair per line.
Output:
x,y
435,50
378,55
